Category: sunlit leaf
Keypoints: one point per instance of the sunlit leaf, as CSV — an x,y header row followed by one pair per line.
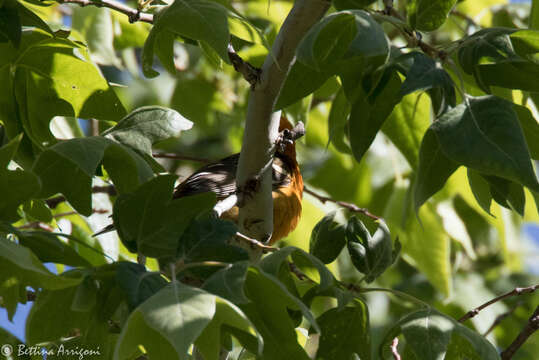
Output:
x,y
428,15
194,19
484,135
148,125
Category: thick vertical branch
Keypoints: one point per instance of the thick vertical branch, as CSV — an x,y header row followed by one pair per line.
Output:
x,y
261,127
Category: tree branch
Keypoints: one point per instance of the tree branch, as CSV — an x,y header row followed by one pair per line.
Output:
x,y
249,72
255,244
261,126
500,318
346,205
134,15
531,326
515,292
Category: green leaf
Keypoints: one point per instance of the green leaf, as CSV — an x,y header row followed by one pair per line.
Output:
x,y
150,222
48,248
344,39
68,168
84,309
328,41
268,310
227,319
480,189
426,74
308,263
428,15
525,42
371,255
430,335
228,283
371,110
530,128
485,136
345,332
534,15
337,122
208,238
425,245
192,96
512,74
10,22
495,56
406,126
507,193
146,126
327,239
167,324
16,186
52,76
37,209
54,307
301,81
30,18
19,268
87,245
194,19
137,283
351,4
96,27
129,35
434,169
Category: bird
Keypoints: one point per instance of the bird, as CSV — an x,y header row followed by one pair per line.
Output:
x,y
287,185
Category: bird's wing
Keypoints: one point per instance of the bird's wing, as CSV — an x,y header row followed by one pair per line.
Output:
x,y
220,177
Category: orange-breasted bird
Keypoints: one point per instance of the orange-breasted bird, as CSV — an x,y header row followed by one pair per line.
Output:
x,y
220,177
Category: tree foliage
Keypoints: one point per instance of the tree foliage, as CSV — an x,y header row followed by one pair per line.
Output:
x,y
422,112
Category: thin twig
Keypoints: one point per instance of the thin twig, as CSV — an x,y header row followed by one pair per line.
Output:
x,y
255,243
181,157
94,127
346,205
249,72
299,274
531,326
500,318
36,225
394,350
69,213
134,15
515,292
